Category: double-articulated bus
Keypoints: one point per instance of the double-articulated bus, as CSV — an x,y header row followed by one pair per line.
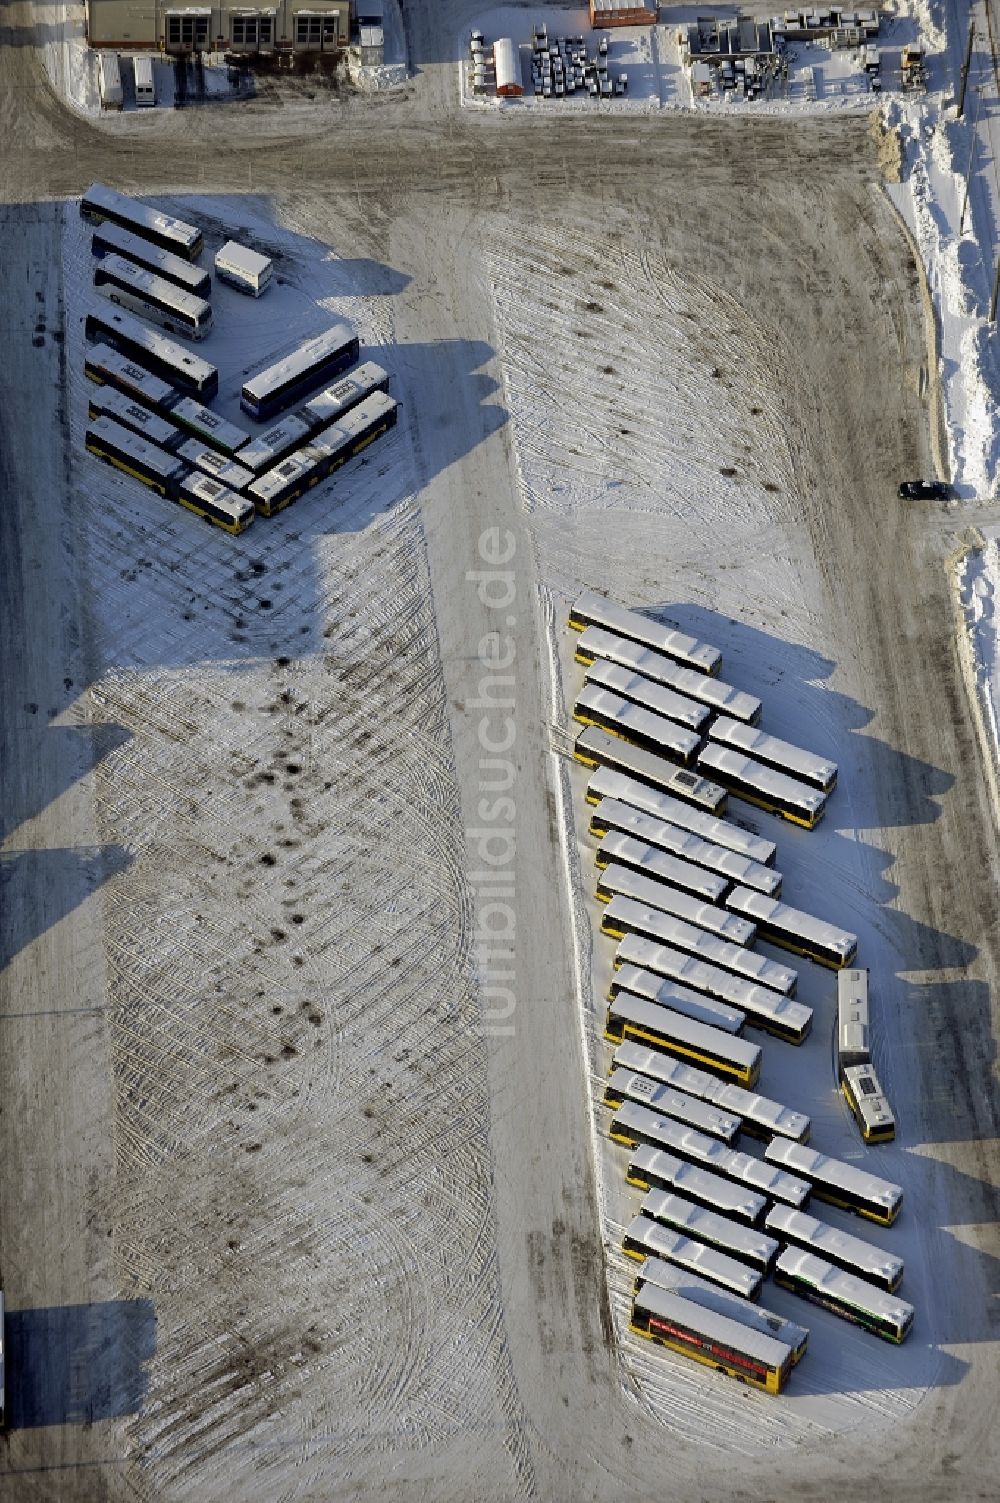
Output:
x,y
648,860
626,1085
595,643
698,943
623,881
867,1100
612,782
664,1171
311,365
761,1117
267,449
598,748
591,609
213,501
781,755
100,205
648,694
756,784
850,1253
108,401
714,1339
227,472
154,351
708,1153
111,240
164,473
853,1047
730,1237
201,422
613,817
853,1299
689,1286
330,405
794,930
163,302
327,452
632,978
839,1183
762,1006
645,1238
696,1043
620,717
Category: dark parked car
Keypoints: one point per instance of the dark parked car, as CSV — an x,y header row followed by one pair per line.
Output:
x,y
925,490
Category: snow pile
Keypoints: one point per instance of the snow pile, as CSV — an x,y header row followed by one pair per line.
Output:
x,y
979,585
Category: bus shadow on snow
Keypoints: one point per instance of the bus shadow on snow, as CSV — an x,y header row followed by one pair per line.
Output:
x,y
175,592
58,881
76,1364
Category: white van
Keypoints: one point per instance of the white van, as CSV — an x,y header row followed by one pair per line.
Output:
x,y
110,80
242,268
144,91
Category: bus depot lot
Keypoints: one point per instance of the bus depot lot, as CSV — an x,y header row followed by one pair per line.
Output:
x,y
383,1248
820,78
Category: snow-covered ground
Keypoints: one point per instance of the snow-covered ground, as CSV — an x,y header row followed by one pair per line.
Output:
x,y
606,459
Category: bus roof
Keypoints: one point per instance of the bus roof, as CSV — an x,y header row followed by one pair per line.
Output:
x,y
762,909
608,782
733,1195
687,846
306,354
672,934
145,281
689,1286
166,466
265,449
602,746
207,489
210,426
714,1325
627,623
123,368
616,845
708,1226
641,983
871,1100
631,1055
812,1165
736,991
765,748
673,1103
601,643
659,895
328,405
636,720
722,759
152,341
712,1154
101,197
642,1012
653,1237
273,481
826,1241
843,1286
646,691
116,404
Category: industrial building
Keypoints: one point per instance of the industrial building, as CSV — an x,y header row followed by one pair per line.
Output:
x,y
226,26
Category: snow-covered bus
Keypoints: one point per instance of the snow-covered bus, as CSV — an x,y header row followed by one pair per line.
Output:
x,y
595,643
644,1022
592,609
155,298
781,755
839,1183
762,786
100,203
687,1327
613,815
761,1117
794,930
